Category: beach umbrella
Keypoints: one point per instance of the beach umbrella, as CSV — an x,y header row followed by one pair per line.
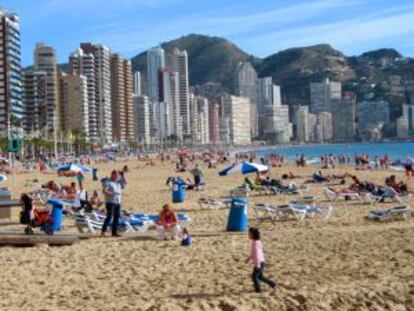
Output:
x,y
74,168
244,168
3,177
403,162
69,167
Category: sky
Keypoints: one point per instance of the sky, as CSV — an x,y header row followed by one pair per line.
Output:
x,y
260,27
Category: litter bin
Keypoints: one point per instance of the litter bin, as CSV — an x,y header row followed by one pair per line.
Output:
x,y
57,208
178,191
237,220
95,173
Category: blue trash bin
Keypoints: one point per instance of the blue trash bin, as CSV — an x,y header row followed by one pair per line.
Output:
x,y
95,173
178,191
57,208
237,220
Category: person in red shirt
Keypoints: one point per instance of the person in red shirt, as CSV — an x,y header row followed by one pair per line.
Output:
x,y
168,222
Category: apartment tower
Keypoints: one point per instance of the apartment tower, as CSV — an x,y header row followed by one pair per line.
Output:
x,y
10,69
122,105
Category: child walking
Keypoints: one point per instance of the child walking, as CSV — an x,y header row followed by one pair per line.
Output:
x,y
257,258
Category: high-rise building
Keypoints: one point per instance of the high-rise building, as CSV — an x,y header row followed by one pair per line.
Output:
x,y
137,83
343,119
194,128
312,121
203,120
214,122
402,127
268,95
302,124
246,85
278,129
142,119
155,63
101,55
122,106
324,127
74,105
322,94
408,113
180,65
169,93
373,115
45,60
83,64
34,100
10,69
237,117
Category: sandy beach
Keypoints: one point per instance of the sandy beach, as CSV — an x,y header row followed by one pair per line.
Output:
x,y
344,263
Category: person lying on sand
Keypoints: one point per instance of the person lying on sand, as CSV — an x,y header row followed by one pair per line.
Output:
x,y
290,175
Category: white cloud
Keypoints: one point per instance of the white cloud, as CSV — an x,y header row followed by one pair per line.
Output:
x,y
346,35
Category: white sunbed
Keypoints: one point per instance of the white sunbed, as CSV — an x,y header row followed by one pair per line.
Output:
x,y
93,223
299,212
213,203
334,196
402,211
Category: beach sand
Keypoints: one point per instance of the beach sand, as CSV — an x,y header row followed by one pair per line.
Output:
x,y
344,263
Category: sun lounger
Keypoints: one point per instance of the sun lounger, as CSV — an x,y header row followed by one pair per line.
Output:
x,y
402,211
334,196
93,223
305,200
299,212
213,203
88,222
387,194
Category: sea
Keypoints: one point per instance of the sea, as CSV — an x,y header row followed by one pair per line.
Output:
x,y
393,150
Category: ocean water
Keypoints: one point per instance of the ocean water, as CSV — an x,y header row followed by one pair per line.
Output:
x,y
394,150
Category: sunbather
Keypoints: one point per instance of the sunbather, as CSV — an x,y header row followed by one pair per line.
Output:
x,y
399,187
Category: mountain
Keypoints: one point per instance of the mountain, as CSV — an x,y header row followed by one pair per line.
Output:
x,y
294,69
210,58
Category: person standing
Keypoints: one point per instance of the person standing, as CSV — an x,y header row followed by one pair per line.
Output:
x,y
113,192
198,176
257,258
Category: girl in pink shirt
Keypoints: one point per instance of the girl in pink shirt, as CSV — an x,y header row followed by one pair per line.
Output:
x,y
257,258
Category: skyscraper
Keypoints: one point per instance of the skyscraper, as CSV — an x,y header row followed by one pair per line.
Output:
x,y
74,104
302,124
155,63
322,94
193,115
142,119
180,65
169,93
236,113
81,63
214,122
137,83
10,69
45,60
34,100
203,120
246,86
103,102
343,119
324,127
122,106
